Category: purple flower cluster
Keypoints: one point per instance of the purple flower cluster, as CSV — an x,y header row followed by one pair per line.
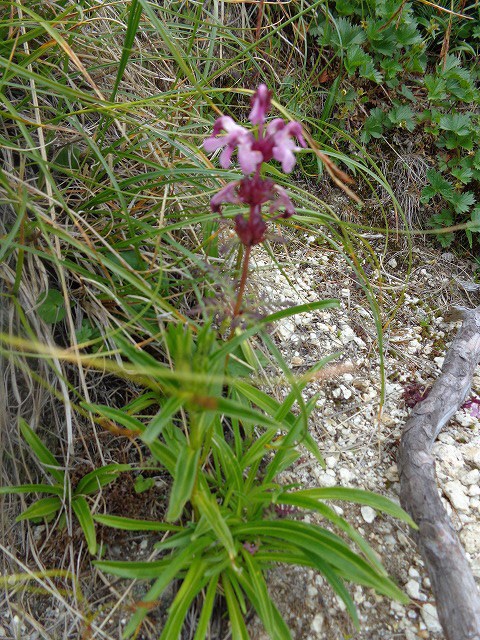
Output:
x,y
272,141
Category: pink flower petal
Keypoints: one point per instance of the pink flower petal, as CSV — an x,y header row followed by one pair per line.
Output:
x,y
226,194
261,103
282,200
248,159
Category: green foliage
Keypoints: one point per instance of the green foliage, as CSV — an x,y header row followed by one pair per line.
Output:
x,y
397,44
63,492
232,520
51,306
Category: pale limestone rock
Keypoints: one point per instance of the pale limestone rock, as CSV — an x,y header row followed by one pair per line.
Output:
x,y
456,493
430,618
368,514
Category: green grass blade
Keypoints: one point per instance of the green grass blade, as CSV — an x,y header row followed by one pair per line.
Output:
x,y
134,15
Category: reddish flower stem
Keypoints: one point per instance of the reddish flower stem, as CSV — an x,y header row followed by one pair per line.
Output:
x,y
241,289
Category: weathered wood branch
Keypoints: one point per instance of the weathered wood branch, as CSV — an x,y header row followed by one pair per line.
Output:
x,y
457,596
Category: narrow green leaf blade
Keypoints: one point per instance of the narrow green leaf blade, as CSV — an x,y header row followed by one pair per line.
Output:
x,y
33,488
41,509
192,584
237,623
207,609
147,570
186,471
84,516
176,564
134,15
162,419
360,496
101,477
131,524
45,457
209,508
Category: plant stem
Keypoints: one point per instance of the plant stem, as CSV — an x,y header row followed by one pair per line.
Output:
x,y
241,289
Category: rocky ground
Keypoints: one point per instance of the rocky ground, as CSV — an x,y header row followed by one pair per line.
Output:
x,y
359,436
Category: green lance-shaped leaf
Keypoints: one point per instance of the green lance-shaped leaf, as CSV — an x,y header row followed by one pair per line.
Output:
x,y
253,583
329,548
166,573
186,471
84,517
141,570
131,524
237,623
55,489
192,584
41,509
358,496
98,478
162,419
207,609
45,457
208,507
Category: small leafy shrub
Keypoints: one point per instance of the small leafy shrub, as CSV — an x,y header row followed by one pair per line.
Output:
x,y
399,46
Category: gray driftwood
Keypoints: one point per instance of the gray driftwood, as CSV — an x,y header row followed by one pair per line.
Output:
x,y
457,596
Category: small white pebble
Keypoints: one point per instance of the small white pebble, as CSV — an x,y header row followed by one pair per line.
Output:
x,y
368,514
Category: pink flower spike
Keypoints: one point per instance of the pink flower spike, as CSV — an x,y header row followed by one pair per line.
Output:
x,y
248,158
283,145
282,200
226,194
261,103
236,136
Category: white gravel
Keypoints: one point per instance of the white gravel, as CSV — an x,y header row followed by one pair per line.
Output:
x,y
359,441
